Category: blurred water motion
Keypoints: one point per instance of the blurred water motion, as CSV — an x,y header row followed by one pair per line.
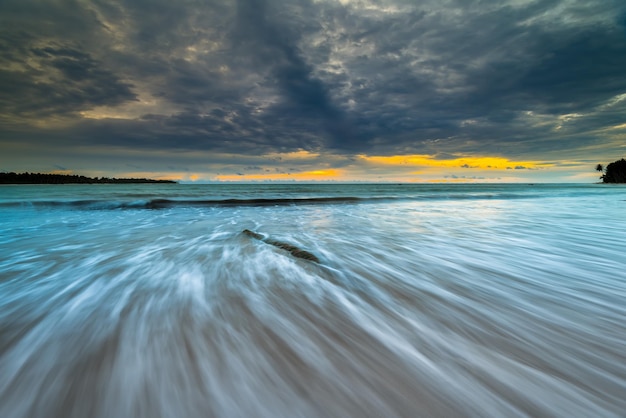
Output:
x,y
505,301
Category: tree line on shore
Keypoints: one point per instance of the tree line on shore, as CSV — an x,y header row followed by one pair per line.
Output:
x,y
41,178
615,172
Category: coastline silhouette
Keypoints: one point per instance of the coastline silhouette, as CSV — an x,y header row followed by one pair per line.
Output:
x,y
615,172
41,178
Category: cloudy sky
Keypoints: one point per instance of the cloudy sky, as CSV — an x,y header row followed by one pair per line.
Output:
x,y
343,90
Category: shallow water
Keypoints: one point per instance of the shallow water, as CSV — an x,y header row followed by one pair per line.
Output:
x,y
468,300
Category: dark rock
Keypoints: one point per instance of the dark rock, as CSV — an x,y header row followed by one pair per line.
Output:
x,y
292,249
253,234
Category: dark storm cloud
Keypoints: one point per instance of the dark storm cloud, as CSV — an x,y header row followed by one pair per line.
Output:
x,y
477,74
56,80
261,76
580,73
272,45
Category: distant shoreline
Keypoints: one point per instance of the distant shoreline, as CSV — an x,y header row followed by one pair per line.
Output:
x,y
40,178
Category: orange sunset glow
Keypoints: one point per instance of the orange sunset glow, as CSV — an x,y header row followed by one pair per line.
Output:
x,y
316,175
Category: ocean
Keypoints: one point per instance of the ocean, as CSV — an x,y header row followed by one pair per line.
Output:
x,y
414,300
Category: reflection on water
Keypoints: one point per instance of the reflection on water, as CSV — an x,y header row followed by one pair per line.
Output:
x,y
453,308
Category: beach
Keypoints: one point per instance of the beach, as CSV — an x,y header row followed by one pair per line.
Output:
x,y
426,300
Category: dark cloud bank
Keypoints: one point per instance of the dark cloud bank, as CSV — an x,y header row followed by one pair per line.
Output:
x,y
507,78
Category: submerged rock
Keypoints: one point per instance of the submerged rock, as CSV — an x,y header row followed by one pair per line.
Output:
x,y
253,234
293,250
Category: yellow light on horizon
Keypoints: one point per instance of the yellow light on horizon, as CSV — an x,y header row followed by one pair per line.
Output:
x,y
330,174
483,163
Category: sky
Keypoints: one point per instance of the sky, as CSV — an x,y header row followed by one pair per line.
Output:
x,y
314,90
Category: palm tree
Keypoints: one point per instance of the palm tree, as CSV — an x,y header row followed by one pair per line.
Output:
x,y
600,168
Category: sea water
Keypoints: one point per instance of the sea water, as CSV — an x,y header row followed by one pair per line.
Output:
x,y
427,300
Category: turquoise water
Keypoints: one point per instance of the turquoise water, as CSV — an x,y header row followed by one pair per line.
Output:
x,y
428,300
